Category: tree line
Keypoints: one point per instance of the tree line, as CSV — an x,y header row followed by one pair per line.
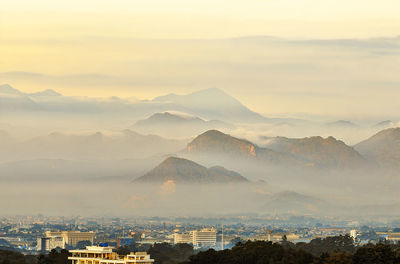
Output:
x,y
330,250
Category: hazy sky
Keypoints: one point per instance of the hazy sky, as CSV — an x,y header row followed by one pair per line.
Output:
x,y
103,48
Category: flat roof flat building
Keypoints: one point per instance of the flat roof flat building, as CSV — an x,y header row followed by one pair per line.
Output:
x,y
105,255
72,238
183,238
206,237
49,243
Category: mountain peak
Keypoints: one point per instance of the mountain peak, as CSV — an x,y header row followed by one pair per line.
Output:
x,y
383,147
218,142
342,123
212,103
47,92
385,124
181,170
325,152
8,89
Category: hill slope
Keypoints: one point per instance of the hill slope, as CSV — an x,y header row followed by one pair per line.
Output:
x,y
383,147
214,104
186,171
214,143
323,152
173,124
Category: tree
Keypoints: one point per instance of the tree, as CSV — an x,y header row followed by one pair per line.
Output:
x,y
375,254
54,257
257,252
319,246
10,257
164,253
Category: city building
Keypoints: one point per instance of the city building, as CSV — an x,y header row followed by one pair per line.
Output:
x,y
206,237
49,243
393,236
72,238
125,241
353,233
105,255
183,238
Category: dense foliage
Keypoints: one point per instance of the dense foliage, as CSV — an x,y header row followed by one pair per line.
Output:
x,y
10,257
331,250
334,250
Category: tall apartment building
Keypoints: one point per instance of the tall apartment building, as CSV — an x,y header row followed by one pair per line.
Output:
x,y
72,238
49,243
105,255
206,237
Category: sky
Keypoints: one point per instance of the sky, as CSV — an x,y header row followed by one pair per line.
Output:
x,y
276,56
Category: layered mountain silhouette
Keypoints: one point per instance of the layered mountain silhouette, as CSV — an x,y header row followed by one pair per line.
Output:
x,y
210,104
48,92
175,124
8,89
100,145
310,152
293,202
341,124
383,147
384,124
318,151
214,143
186,171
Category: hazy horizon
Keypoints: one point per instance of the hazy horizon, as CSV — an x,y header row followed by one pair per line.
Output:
x,y
298,97
335,58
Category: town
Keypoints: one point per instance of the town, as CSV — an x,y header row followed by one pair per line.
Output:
x,y
38,234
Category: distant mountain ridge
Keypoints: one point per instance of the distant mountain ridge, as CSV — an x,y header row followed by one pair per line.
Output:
x,y
323,152
383,147
114,145
385,124
174,124
185,171
7,89
342,124
313,151
214,142
210,104
214,103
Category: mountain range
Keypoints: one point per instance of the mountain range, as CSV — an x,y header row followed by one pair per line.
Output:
x,y
214,144
317,151
125,144
176,124
342,124
185,171
209,104
314,151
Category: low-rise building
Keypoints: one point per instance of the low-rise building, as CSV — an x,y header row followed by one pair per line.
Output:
x,y
49,243
105,255
72,238
183,238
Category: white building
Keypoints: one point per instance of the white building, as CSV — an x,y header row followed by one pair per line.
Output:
x,y
49,243
72,238
105,255
206,237
353,233
183,238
